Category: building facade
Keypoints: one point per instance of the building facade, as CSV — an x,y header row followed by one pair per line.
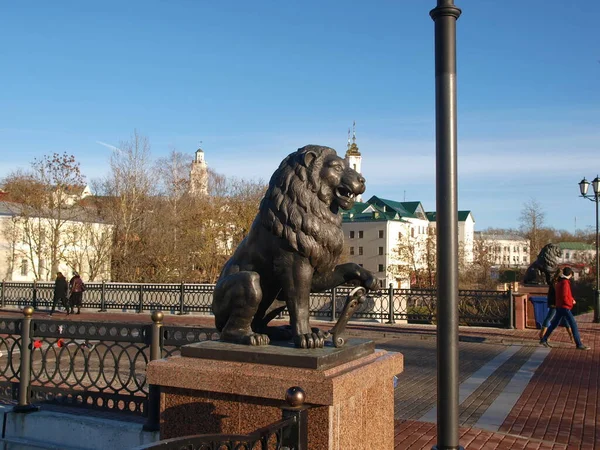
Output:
x,y
394,240
28,242
503,250
576,253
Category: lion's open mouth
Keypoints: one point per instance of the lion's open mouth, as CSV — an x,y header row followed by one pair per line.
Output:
x,y
345,194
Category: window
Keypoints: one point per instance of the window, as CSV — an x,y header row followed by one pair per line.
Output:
x,y
24,268
360,250
399,235
352,250
380,234
352,235
381,250
567,256
525,249
360,234
412,232
515,249
524,259
381,268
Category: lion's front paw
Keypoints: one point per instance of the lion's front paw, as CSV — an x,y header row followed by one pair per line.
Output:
x,y
316,339
258,339
244,337
369,281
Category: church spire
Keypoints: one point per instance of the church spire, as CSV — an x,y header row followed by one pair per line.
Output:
x,y
352,147
348,145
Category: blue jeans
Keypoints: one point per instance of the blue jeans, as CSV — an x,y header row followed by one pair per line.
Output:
x,y
567,315
550,316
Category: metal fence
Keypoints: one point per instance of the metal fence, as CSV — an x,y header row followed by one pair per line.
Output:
x,y
478,308
87,364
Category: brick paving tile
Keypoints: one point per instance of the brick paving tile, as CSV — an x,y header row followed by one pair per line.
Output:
x,y
412,435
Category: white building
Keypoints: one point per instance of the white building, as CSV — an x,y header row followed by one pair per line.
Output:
x,y
83,244
395,240
576,253
505,250
466,233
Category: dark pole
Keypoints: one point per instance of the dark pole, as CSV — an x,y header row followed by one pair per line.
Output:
x,y
445,16
597,292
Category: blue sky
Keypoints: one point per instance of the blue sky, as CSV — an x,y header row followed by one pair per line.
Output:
x,y
255,80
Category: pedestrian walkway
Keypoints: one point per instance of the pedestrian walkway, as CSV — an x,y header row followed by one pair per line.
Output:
x,y
514,394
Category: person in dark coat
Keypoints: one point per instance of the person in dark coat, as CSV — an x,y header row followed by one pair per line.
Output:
x,y
61,290
76,287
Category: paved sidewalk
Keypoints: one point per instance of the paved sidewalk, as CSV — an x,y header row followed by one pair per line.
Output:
x,y
534,398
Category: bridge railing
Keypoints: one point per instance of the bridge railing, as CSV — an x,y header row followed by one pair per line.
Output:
x,y
99,365
476,307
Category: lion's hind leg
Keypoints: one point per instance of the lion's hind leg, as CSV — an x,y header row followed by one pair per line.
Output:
x,y
239,296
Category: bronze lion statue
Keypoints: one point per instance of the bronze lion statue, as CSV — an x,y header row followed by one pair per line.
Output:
x,y
291,250
545,265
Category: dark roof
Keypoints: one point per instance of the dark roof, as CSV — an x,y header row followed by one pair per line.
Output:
x,y
575,246
462,215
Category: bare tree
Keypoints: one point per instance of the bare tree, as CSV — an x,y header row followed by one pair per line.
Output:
x,y
416,260
532,222
127,191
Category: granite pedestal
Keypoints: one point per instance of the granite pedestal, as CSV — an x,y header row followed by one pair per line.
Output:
x,y
352,401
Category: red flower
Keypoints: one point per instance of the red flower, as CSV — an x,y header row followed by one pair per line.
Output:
x,y
37,344
60,343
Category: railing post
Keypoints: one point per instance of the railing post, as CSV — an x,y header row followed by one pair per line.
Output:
x,y
333,302
511,308
34,295
153,419
181,299
103,297
25,371
296,436
2,298
141,299
391,318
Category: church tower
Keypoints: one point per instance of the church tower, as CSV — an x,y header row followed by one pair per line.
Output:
x,y
353,158
199,174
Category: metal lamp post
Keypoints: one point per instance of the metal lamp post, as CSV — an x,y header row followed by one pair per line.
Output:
x,y
445,16
583,188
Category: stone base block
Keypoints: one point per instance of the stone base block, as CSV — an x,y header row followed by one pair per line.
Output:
x,y
352,405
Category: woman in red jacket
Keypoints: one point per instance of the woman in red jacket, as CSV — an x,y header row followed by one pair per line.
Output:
x,y
564,305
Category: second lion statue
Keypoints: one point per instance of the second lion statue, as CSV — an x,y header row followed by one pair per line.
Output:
x,y
292,249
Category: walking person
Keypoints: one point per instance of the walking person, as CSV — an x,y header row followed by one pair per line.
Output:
x,y
552,307
61,291
564,304
76,287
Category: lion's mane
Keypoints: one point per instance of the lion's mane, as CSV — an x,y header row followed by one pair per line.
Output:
x,y
292,210
546,263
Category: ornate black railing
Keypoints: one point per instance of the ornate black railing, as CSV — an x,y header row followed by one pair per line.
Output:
x,y
289,433
87,364
480,308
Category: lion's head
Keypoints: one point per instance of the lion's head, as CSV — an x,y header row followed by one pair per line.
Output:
x,y
546,263
548,257
304,197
